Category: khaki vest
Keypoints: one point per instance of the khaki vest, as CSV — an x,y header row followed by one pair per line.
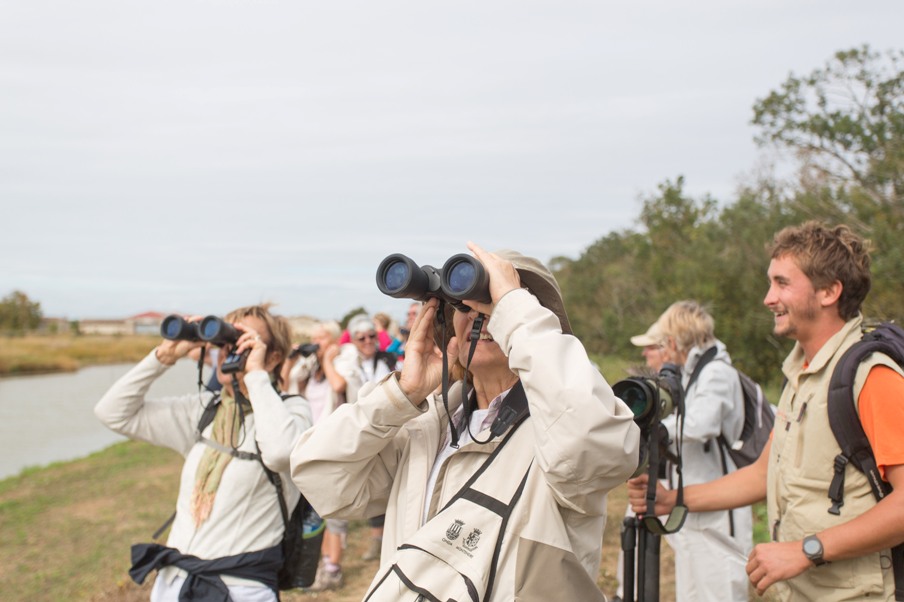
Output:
x,y
801,465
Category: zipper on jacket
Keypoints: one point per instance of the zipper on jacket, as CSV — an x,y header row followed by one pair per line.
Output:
x,y
803,409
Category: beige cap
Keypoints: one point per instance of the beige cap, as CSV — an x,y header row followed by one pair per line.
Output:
x,y
653,336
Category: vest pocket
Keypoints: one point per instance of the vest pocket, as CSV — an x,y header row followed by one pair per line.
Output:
x,y
861,576
418,575
854,577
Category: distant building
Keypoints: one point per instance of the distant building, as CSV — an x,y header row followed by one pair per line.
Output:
x,y
147,323
104,327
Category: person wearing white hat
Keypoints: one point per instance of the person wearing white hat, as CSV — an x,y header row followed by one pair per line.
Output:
x,y
651,343
653,353
711,548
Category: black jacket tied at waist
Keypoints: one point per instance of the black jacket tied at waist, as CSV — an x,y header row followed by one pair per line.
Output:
x,y
203,583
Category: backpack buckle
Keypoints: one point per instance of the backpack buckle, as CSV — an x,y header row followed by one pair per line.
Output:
x,y
836,489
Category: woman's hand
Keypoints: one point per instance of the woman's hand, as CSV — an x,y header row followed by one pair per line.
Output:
x,y
503,277
329,354
168,352
251,342
423,368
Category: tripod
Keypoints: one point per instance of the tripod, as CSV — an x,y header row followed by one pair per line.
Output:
x,y
639,544
651,400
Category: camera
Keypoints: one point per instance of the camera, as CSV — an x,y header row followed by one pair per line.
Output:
x,y
211,329
304,350
461,278
651,399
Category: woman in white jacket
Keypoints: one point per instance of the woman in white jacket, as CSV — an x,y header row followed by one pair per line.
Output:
x,y
711,548
228,524
510,503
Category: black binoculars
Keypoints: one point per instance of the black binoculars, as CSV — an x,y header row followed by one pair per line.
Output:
x,y
462,278
304,350
211,329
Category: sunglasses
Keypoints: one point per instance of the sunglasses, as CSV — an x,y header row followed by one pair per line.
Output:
x,y
364,337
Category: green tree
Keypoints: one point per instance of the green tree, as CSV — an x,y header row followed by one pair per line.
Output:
x,y
845,121
19,314
351,314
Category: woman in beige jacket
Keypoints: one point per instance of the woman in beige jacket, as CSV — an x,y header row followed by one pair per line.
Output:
x,y
511,503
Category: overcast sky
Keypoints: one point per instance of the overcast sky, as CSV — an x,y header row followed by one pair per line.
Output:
x,y
194,156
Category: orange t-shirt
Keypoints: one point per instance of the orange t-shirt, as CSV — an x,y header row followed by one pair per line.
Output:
x,y
882,415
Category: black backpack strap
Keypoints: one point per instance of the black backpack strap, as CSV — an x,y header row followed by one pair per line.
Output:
x,y
276,480
210,411
706,358
844,419
845,422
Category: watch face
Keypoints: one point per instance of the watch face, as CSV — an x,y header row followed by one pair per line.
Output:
x,y
812,547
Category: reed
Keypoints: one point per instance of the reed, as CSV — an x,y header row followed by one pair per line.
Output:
x,y
35,354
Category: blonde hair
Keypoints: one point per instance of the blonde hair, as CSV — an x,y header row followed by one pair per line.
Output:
x,y
279,329
330,327
688,324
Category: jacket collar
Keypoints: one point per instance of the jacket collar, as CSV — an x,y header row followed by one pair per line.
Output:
x,y
794,363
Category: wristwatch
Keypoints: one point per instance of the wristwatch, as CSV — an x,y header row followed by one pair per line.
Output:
x,y
813,550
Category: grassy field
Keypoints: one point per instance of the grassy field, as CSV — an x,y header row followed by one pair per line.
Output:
x,y
34,354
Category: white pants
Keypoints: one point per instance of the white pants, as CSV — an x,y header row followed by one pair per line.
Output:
x,y
710,565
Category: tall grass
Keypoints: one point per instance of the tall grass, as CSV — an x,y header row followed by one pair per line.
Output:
x,y
33,354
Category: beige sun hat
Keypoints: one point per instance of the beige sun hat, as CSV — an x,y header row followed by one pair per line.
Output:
x,y
653,336
539,281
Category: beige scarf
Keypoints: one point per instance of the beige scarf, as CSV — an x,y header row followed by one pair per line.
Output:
x,y
226,428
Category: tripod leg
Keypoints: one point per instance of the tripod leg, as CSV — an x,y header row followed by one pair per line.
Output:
x,y
648,578
629,550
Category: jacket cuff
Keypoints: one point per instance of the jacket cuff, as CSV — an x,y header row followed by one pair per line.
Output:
x,y
394,391
386,404
152,361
